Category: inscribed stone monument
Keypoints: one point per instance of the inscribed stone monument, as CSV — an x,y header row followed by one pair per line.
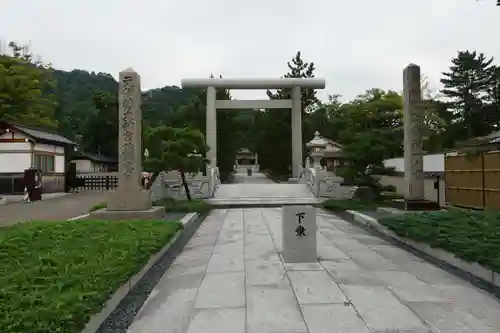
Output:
x,y
413,118
299,234
413,123
129,196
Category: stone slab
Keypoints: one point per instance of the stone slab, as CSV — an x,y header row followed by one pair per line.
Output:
x,y
448,318
408,288
174,310
226,262
330,318
315,287
299,234
381,310
221,290
273,310
265,273
154,213
218,321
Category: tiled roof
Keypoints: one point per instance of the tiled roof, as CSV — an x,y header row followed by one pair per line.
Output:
x,y
95,157
42,135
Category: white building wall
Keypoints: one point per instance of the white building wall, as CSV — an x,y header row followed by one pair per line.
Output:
x,y
83,165
89,166
59,164
18,161
432,163
14,162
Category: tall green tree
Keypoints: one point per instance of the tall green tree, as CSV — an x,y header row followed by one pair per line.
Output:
x,y
274,145
467,85
100,133
372,132
298,68
181,149
22,83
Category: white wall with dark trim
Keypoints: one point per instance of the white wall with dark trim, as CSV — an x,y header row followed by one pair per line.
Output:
x,y
15,157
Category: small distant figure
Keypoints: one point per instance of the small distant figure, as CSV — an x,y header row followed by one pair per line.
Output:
x,y
145,179
26,197
249,171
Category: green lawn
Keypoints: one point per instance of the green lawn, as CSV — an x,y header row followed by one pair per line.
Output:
x,y
175,206
471,235
55,275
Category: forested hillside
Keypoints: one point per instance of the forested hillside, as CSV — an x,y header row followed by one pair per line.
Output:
x,y
76,110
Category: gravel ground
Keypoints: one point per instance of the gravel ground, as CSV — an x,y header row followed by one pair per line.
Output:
x,y
121,318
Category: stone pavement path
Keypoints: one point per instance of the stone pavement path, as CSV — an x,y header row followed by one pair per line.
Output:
x,y
258,189
255,178
230,278
61,208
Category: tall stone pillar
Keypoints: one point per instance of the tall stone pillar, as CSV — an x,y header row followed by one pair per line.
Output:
x,y
413,118
296,131
211,129
130,200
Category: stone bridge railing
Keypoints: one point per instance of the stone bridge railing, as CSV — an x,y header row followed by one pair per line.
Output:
x,y
169,185
326,184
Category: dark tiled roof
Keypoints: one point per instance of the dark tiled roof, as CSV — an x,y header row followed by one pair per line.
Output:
x,y
41,135
95,158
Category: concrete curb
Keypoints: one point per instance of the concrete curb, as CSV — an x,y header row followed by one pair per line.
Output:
x,y
3,201
471,268
96,320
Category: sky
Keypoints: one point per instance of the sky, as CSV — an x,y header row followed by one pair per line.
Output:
x,y
355,44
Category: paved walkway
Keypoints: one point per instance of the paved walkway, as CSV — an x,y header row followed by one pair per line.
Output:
x,y
258,189
230,279
55,209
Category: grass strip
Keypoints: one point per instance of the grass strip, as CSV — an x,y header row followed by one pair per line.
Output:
x,y
55,275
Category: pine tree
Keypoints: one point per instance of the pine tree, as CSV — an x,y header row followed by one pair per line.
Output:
x,y
298,69
276,124
467,85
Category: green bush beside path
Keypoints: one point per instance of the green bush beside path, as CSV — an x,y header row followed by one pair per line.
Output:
x,y
473,236
55,275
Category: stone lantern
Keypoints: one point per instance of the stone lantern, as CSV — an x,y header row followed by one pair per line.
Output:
x,y
317,148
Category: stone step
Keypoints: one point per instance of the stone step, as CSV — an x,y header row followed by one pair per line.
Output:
x,y
262,202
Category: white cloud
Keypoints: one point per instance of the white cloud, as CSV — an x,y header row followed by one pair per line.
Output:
x,y
356,45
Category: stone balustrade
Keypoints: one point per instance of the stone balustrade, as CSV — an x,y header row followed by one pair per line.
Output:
x,y
326,184
170,185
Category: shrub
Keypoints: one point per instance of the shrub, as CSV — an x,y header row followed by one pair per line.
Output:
x,y
471,235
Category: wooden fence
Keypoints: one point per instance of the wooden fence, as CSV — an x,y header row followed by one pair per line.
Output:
x,y
95,182
473,180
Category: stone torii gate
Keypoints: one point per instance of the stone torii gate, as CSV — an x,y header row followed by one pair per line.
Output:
x,y
295,104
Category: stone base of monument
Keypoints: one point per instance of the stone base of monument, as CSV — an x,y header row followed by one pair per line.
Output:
x,y
154,213
416,205
299,234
